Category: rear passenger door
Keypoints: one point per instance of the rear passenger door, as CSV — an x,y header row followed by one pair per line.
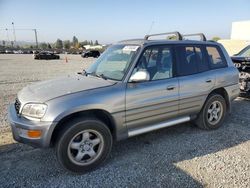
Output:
x,y
195,78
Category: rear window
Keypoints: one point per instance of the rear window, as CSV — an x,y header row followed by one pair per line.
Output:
x,y
215,58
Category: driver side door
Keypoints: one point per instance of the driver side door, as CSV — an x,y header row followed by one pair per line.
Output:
x,y
156,100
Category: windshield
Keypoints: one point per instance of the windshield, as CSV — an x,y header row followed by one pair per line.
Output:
x,y
114,62
245,52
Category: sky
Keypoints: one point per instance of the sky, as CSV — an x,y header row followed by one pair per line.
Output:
x,y
109,21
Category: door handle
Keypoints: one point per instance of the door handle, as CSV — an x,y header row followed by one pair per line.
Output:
x,y
170,87
208,80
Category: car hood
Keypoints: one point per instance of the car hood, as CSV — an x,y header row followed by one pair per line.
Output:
x,y
47,90
238,59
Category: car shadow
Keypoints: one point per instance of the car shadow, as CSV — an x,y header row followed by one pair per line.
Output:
x,y
143,161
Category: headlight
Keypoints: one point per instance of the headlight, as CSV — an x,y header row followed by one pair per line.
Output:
x,y
34,110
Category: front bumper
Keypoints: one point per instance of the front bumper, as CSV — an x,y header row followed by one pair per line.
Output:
x,y
19,125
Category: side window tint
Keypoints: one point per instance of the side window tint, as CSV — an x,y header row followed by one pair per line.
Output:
x,y
187,60
214,58
201,61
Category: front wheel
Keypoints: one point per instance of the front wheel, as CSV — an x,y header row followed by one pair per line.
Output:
x,y
84,145
213,113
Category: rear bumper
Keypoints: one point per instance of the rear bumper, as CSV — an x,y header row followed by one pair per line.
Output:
x,y
20,126
233,92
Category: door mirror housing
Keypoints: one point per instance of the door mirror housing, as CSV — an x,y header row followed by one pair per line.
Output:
x,y
140,76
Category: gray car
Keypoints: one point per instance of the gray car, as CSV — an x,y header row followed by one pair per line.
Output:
x,y
134,87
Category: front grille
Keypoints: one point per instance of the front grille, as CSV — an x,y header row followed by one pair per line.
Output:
x,y
17,106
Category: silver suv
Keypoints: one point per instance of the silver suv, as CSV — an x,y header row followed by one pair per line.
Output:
x,y
134,87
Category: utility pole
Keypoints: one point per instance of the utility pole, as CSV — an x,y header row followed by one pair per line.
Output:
x,y
8,39
36,38
14,32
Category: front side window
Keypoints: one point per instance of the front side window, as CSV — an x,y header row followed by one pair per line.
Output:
x,y
157,61
114,62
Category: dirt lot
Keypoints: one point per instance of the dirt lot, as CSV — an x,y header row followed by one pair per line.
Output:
x,y
179,156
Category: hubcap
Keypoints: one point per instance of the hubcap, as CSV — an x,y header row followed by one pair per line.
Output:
x,y
85,147
214,112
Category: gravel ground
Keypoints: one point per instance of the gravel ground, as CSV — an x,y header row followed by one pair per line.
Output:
x,y
179,156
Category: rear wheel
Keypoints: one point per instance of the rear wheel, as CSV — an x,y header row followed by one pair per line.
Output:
x,y
213,113
84,145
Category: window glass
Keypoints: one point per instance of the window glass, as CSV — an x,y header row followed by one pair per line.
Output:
x,y
114,62
187,60
191,60
158,61
214,58
202,63
245,52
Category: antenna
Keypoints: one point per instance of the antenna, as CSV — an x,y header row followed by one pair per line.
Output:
x,y
150,28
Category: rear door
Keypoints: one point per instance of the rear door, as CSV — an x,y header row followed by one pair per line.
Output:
x,y
156,100
195,78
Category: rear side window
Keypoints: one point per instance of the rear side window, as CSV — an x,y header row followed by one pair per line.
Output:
x,y
191,60
201,60
215,59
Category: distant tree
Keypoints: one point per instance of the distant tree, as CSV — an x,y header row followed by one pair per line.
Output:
x,y
172,37
85,42
96,42
12,43
4,43
31,47
81,44
77,46
74,42
49,46
43,45
216,38
66,44
59,44
91,42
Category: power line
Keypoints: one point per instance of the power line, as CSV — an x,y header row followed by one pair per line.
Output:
x,y
7,29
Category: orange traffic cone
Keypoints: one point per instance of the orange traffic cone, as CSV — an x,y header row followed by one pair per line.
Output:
x,y
66,59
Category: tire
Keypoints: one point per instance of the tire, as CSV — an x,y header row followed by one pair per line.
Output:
x,y
79,141
207,116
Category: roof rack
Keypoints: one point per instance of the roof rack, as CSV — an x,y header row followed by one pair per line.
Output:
x,y
201,35
178,35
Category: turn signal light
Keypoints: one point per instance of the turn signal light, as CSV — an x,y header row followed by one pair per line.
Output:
x,y
34,133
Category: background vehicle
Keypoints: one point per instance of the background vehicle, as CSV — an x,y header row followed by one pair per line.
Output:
x,y
135,87
46,55
91,53
242,62
9,51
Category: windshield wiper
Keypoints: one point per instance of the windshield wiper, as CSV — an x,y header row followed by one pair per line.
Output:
x,y
101,76
84,72
97,75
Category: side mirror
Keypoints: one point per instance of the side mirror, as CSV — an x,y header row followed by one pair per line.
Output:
x,y
139,76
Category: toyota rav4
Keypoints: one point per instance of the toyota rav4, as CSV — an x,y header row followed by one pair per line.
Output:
x,y
134,87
